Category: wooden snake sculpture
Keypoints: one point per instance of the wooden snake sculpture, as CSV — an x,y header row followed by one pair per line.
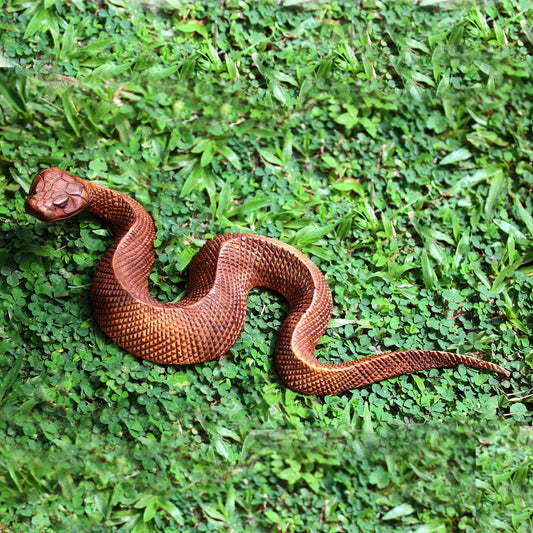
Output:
x,y
207,322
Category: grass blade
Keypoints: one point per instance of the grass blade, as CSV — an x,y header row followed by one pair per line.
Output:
x,y
497,186
11,376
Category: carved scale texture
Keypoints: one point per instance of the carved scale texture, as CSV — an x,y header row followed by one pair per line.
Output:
x,y
205,324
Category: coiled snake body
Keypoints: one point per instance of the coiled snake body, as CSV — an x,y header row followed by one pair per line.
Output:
x,y
205,324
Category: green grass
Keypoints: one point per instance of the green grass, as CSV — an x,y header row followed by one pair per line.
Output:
x,y
391,142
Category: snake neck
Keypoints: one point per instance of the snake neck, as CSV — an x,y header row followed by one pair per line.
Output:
x,y
127,263
116,209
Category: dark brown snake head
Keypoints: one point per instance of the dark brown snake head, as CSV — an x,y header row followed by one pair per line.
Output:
x,y
56,195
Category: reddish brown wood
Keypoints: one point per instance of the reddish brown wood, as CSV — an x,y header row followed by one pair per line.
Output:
x,y
204,325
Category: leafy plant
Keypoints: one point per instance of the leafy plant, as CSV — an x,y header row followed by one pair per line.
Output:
x,y
390,143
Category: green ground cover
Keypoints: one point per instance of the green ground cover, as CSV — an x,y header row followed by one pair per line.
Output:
x,y
391,142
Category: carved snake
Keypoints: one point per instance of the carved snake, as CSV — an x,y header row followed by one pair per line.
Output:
x,y
207,322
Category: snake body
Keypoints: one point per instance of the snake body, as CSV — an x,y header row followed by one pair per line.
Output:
x,y
207,322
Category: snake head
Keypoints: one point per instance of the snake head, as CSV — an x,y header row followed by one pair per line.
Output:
x,y
56,195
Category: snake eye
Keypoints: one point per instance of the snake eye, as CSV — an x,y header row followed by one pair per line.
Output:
x,y
62,203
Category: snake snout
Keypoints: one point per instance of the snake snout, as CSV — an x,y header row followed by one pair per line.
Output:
x,y
46,209
49,210
39,210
